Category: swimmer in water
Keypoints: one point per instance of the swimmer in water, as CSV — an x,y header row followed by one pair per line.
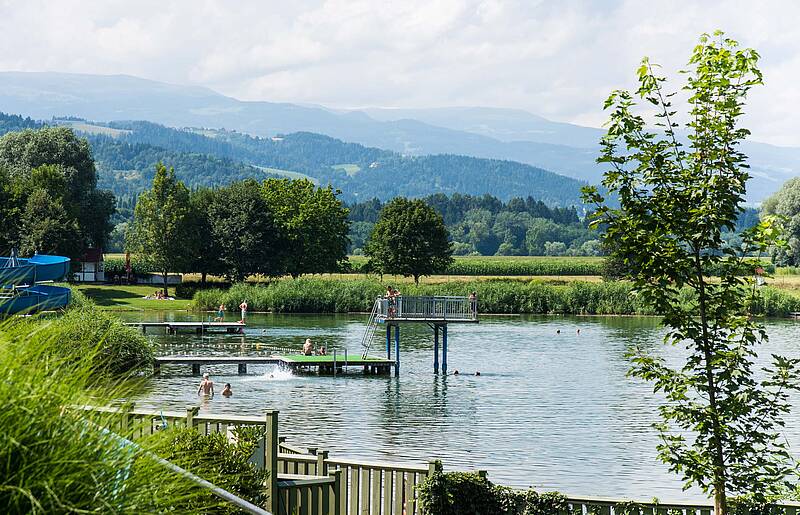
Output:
x,y
206,386
477,373
558,331
227,392
455,373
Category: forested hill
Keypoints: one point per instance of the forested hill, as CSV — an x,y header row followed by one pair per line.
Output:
x,y
362,172
126,153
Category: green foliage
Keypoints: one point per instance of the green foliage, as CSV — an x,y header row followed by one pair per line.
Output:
x,y
786,203
162,224
248,237
314,223
467,493
410,239
507,266
57,460
115,349
140,265
721,422
315,295
48,189
216,460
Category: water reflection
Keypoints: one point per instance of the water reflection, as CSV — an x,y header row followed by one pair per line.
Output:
x,y
552,407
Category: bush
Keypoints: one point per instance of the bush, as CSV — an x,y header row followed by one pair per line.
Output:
x,y
57,460
213,458
465,493
116,349
140,265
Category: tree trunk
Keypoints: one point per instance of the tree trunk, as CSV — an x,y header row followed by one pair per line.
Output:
x,y
416,280
203,278
720,502
165,284
717,453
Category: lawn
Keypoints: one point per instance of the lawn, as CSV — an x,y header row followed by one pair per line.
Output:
x,y
129,298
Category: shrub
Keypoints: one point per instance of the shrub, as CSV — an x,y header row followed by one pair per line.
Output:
x,y
116,349
57,460
466,493
215,459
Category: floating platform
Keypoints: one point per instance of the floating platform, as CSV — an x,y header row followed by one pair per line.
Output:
x,y
323,364
198,327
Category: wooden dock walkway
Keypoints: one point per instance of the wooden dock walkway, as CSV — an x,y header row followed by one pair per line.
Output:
x,y
324,364
199,327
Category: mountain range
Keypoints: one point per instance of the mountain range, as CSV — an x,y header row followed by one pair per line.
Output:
x,y
481,132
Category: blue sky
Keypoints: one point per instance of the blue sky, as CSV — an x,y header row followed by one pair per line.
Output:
x,y
556,59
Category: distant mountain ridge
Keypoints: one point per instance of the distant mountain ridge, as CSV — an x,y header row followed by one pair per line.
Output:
x,y
126,153
502,134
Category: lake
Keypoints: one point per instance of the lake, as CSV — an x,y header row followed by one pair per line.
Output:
x,y
551,410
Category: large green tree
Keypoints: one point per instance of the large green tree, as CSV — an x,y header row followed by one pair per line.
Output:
x,y
54,159
786,203
250,242
721,420
410,239
205,258
46,228
162,224
314,222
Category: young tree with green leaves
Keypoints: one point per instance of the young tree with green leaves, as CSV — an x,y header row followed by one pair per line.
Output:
x,y
721,419
410,239
314,222
162,224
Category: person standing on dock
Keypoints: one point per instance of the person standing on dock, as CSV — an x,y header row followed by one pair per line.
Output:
x,y
473,304
243,307
220,313
206,386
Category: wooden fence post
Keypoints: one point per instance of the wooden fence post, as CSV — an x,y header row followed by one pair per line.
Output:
x,y
127,418
335,501
271,458
191,411
322,463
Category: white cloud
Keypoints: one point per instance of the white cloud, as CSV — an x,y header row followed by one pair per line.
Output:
x,y
557,59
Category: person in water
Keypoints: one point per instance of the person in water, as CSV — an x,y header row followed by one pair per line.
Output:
x,y
227,392
206,386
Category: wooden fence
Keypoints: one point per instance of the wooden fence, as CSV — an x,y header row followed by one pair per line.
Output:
x,y
307,481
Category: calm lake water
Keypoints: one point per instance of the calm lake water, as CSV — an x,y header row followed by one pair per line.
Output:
x,y
553,411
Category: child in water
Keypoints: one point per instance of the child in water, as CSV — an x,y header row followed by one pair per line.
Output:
x,y
227,392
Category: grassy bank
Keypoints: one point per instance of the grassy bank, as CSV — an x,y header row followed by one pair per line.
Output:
x,y
129,298
307,295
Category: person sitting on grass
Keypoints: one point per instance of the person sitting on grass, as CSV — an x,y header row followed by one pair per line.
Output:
x,y
308,348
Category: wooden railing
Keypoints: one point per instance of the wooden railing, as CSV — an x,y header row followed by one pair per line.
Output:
x,y
307,480
430,308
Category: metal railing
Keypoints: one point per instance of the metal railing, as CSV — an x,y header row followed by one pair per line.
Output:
x,y
430,308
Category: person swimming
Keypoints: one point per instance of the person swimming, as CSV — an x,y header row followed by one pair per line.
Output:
x,y
206,386
227,392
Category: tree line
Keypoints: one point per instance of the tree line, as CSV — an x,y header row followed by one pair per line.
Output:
x,y
486,225
272,228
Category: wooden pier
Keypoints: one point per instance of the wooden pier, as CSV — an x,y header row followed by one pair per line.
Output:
x,y
198,327
329,364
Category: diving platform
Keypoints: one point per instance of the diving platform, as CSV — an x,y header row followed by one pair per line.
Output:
x,y
198,327
331,363
436,311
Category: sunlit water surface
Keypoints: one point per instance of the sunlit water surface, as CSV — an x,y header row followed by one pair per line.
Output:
x,y
550,410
